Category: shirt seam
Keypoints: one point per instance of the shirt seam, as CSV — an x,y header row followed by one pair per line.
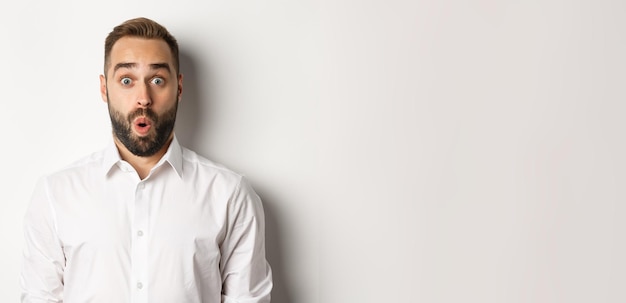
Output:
x,y
53,212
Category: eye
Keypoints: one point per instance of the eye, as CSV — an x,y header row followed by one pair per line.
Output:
x,y
158,81
126,81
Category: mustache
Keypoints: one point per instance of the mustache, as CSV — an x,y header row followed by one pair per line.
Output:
x,y
146,112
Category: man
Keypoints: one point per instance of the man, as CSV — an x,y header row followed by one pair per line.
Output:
x,y
144,220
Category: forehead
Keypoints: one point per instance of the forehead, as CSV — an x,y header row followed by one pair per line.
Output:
x,y
140,51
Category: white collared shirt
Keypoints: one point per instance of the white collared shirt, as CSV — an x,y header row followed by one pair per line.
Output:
x,y
192,231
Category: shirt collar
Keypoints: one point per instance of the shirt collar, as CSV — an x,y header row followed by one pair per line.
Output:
x,y
173,156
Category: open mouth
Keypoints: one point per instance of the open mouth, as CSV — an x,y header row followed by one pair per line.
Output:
x,y
142,125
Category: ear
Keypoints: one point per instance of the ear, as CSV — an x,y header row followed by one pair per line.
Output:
x,y
180,87
103,88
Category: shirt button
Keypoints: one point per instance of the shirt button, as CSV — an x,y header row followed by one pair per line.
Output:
x,y
139,285
140,186
140,233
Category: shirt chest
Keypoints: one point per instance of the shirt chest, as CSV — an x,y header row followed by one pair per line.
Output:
x,y
119,217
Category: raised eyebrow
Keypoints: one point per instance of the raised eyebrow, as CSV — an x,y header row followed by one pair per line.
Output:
x,y
165,66
124,65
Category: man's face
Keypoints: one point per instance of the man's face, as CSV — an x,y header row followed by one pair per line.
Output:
x,y
142,90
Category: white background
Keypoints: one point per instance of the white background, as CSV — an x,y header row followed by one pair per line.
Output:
x,y
406,151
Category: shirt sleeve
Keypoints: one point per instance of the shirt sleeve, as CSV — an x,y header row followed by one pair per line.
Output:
x,y
43,260
246,275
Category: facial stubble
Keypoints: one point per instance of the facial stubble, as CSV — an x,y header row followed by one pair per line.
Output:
x,y
150,144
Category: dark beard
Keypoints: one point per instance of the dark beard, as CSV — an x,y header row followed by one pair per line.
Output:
x,y
153,142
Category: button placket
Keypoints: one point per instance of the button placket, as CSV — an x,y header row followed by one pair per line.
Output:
x,y
140,244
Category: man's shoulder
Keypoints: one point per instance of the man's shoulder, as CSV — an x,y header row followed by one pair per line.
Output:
x,y
89,163
204,165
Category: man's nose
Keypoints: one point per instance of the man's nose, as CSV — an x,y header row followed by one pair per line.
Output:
x,y
143,97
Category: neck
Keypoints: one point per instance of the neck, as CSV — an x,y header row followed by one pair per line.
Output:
x,y
142,165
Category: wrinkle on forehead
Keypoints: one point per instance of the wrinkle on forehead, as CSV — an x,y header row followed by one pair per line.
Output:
x,y
132,65
135,52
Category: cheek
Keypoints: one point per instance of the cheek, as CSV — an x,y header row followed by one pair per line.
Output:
x,y
165,100
115,105
120,100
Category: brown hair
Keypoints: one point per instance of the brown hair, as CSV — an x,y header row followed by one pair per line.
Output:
x,y
144,28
